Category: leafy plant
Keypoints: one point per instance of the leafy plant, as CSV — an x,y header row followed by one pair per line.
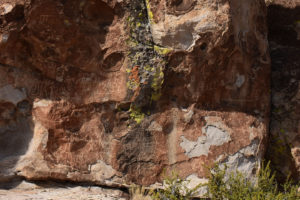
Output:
x,y
223,186
237,187
175,189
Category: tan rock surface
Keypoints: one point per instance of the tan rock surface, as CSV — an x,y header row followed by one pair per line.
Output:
x,y
30,191
111,92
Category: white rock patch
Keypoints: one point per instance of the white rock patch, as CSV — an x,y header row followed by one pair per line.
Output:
x,y
214,137
245,160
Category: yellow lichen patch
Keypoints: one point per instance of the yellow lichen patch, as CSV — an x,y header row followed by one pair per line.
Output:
x,y
136,114
131,42
161,50
150,13
132,85
148,68
157,82
155,96
158,79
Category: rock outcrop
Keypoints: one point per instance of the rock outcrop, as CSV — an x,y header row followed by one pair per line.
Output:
x,y
118,91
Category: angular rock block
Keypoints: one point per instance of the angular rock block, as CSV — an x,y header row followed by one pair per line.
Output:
x,y
113,92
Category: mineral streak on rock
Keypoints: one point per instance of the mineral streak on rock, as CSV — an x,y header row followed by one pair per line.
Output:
x,y
112,92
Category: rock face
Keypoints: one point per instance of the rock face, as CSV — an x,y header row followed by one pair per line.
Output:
x,y
118,91
284,37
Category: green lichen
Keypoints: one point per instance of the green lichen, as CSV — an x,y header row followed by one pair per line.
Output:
x,y
158,79
136,114
161,50
150,13
132,84
147,61
148,68
131,42
155,96
157,82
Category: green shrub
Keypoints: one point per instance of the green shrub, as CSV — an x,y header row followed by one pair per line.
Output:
x,y
222,186
175,189
237,187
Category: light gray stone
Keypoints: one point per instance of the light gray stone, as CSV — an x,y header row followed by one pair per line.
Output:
x,y
10,94
246,160
214,137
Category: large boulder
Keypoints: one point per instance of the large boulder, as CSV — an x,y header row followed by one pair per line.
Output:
x,y
118,91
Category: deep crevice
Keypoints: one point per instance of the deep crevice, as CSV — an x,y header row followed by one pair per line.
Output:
x,y
284,47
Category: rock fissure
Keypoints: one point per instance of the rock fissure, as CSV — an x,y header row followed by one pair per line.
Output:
x,y
283,147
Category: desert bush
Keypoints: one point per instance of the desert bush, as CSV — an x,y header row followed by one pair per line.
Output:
x,y
224,186
175,188
237,187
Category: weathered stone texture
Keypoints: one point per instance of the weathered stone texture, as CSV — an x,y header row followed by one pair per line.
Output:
x,y
215,82
111,92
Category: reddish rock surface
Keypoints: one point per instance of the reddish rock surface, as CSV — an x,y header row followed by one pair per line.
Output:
x,y
112,92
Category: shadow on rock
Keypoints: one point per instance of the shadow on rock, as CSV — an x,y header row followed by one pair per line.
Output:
x,y
284,40
16,131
